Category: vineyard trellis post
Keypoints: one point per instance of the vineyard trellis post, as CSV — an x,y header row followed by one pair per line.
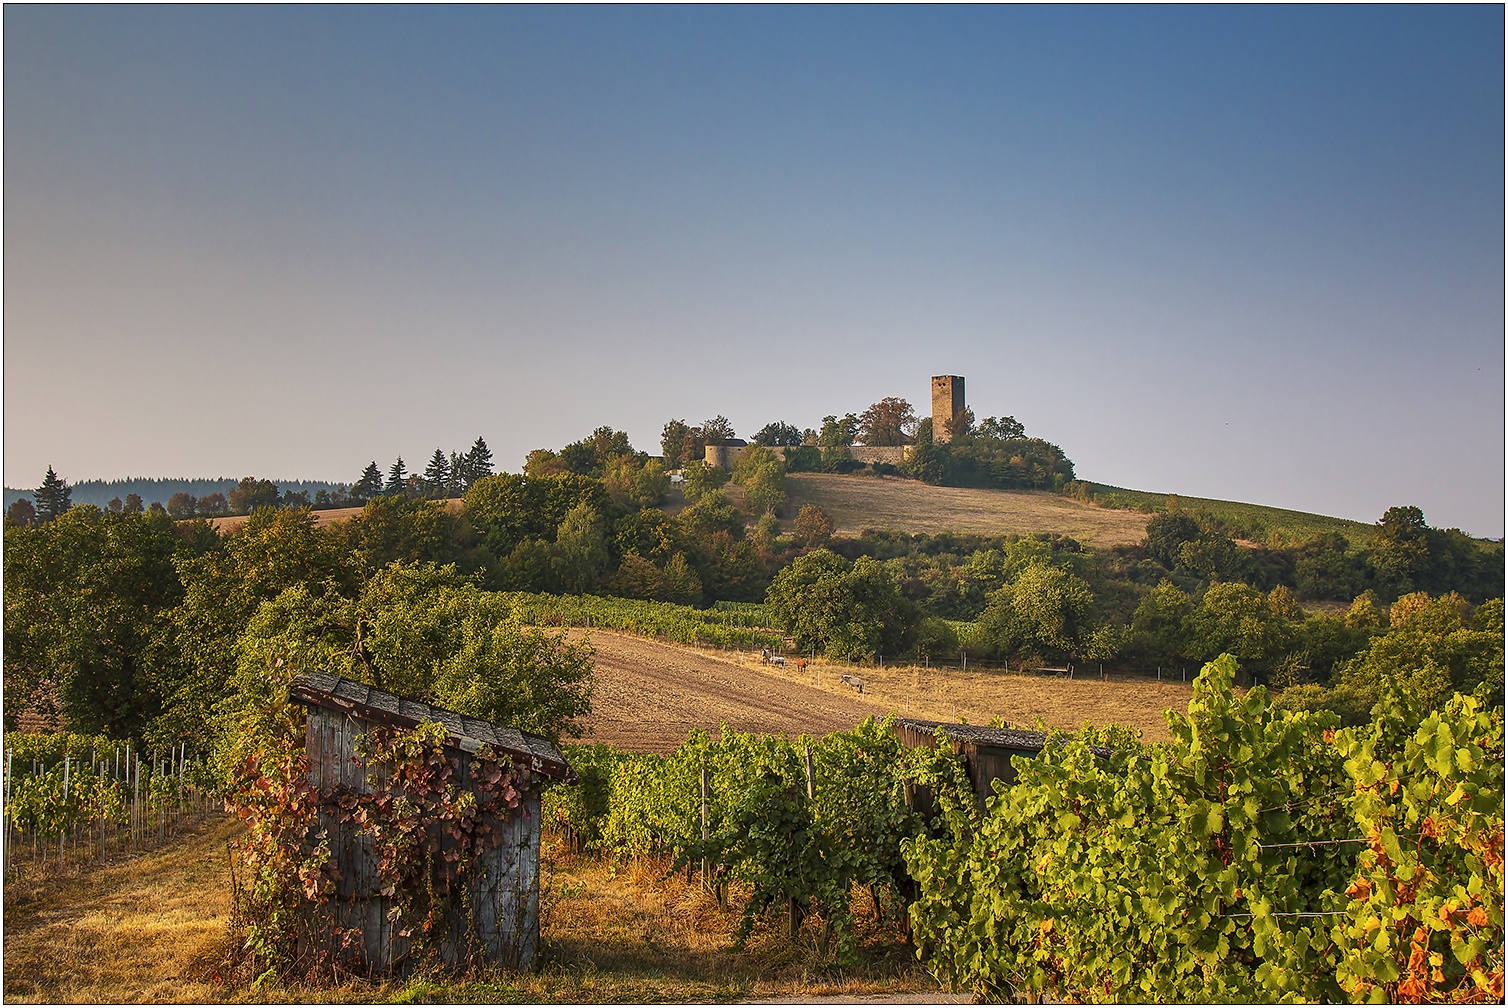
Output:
x,y
62,831
706,862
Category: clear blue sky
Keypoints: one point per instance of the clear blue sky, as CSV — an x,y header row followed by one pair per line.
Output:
x,y
1246,253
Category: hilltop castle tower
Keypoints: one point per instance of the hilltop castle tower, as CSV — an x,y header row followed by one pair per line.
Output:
x,y
947,403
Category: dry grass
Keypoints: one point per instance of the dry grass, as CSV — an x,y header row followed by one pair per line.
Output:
x,y
855,503
157,929
148,929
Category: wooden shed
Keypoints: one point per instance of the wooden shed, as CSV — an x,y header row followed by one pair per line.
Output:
x,y
491,916
986,753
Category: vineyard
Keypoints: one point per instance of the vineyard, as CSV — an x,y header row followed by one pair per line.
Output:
x,y
1258,856
729,624
80,798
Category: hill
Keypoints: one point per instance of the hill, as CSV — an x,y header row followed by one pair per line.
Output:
x,y
1253,521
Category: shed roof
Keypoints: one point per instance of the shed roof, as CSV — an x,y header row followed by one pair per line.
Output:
x,y
1005,738
321,689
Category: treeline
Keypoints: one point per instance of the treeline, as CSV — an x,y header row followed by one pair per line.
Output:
x,y
444,477
159,491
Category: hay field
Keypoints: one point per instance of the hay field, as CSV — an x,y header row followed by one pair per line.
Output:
x,y
857,502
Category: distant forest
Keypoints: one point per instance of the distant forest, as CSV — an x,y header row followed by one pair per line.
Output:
x,y
101,492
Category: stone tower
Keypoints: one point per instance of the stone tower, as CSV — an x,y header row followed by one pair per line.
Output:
x,y
947,403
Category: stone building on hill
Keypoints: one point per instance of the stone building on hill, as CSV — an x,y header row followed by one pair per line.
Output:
x,y
947,404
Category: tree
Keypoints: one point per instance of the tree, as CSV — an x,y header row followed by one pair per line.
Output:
x,y
838,433
276,549
1236,619
579,553
717,431
650,485
887,422
813,527
53,497
183,505
1166,534
762,476
368,486
1002,429
701,479
673,443
477,464
846,609
21,513
437,476
248,495
433,635
508,509
397,479
961,425
133,504
1400,549
1045,609
778,434
1322,569
1162,627
214,505
399,529
85,597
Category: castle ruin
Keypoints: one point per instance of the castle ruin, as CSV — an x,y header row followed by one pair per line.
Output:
x,y
947,405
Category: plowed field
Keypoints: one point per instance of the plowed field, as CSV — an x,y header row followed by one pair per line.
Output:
x,y
649,695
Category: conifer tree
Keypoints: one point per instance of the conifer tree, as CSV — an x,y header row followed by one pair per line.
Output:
x,y
437,476
369,486
457,475
397,479
53,496
478,462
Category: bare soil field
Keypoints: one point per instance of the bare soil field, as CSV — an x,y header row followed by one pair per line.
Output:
x,y
855,503
650,695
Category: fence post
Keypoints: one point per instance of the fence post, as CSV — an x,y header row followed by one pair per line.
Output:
x,y
811,787
65,805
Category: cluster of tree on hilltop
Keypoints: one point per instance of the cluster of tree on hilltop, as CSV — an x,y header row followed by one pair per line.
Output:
x,y
995,452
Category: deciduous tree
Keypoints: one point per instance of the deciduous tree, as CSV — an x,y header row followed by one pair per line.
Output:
x,y
778,434
673,443
887,422
813,527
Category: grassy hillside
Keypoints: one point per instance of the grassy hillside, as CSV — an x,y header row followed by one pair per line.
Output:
x,y
1112,516
857,502
1249,521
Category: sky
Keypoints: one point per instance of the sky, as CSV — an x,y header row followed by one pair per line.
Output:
x,y
1248,253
